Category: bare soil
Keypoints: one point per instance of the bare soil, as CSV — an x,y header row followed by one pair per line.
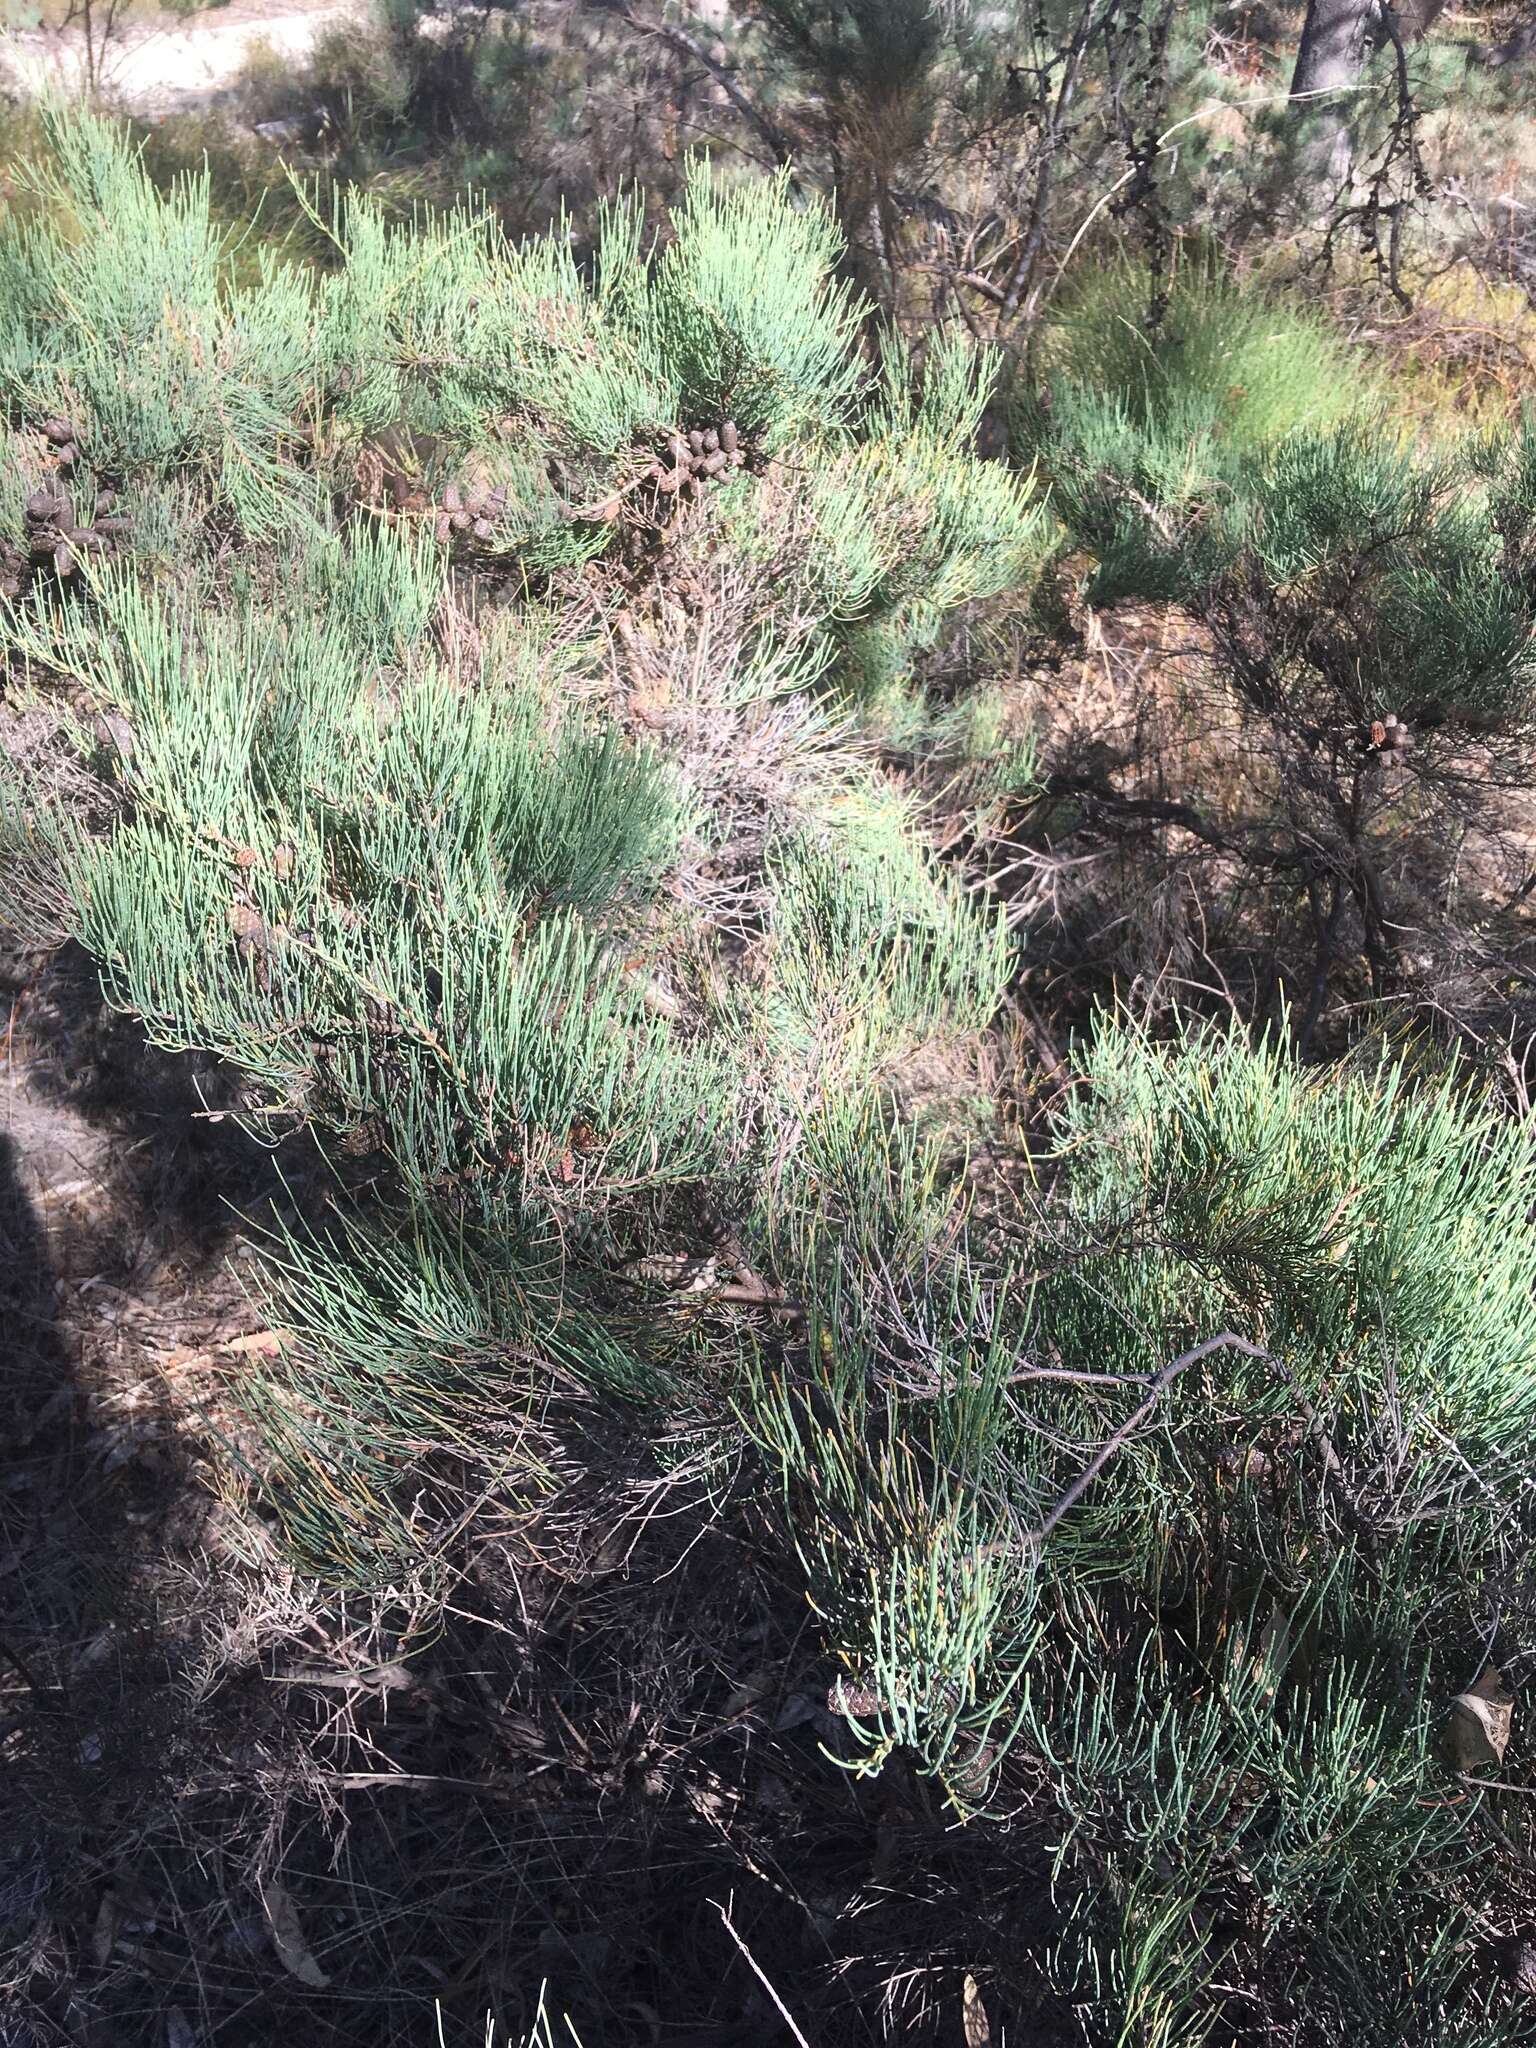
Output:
x,y
169,65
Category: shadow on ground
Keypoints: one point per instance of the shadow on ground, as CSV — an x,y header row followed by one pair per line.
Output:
x,y
617,1730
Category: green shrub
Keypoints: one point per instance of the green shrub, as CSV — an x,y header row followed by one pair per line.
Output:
x,y
363,843
1162,1489
115,315
1229,1661
875,949
1247,367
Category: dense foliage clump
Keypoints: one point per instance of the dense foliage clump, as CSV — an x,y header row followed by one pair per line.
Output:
x,y
551,728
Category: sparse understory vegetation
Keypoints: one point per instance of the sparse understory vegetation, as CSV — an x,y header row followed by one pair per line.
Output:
x,y
767,896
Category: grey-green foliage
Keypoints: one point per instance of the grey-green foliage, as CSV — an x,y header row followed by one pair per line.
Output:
x,y
877,534
387,583
893,1482
428,869
445,344
445,324
747,315
422,1335
1230,1661
399,902
948,531
1364,1228
361,849
116,312
875,948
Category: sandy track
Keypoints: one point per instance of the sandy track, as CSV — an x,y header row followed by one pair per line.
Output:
x,y
169,68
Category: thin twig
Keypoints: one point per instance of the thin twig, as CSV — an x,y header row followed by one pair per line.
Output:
x,y
687,45
1226,1341
414,1781
757,1971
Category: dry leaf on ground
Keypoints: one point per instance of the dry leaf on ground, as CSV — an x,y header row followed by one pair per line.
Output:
x,y
973,2016
1477,1727
288,1938
104,1933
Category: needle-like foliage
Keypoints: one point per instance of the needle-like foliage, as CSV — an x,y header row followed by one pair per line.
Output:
x,y
1228,1655
1156,1488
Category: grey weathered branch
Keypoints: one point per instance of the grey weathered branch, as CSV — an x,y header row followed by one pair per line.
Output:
x,y
686,44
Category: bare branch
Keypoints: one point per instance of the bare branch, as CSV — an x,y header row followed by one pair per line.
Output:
x,y
687,45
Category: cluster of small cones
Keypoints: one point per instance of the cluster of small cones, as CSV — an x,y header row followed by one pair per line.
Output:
x,y
701,456
53,532
466,509
1388,738
704,455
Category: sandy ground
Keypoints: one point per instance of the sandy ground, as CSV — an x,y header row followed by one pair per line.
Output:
x,y
169,66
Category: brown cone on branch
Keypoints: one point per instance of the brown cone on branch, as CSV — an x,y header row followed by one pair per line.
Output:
x,y
249,927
